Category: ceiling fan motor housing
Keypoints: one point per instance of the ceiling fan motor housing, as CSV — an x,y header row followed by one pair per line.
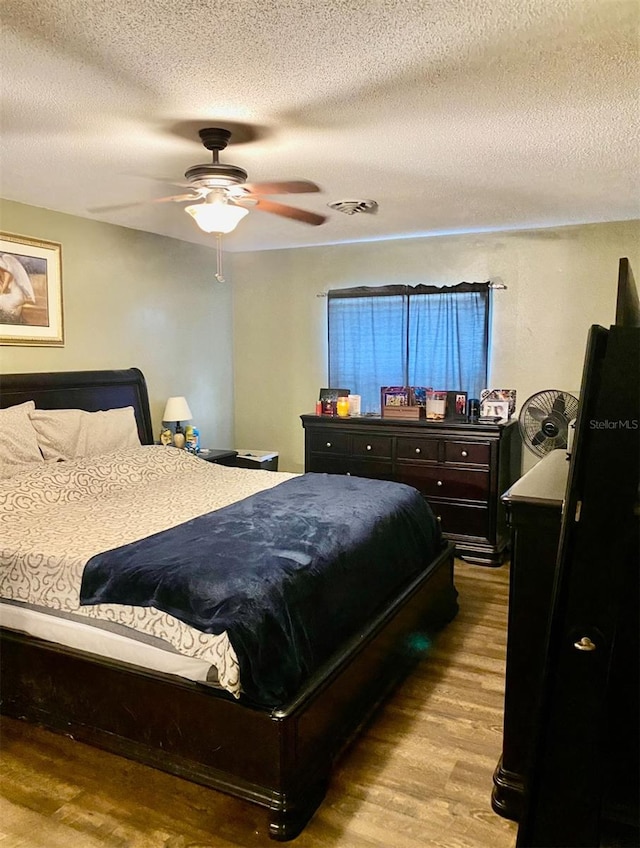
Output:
x,y
216,175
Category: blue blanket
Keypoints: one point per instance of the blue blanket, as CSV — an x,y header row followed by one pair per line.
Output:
x,y
289,573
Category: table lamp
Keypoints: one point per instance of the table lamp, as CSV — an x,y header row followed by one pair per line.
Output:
x,y
177,409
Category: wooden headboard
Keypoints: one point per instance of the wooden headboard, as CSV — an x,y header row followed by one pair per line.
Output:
x,y
88,390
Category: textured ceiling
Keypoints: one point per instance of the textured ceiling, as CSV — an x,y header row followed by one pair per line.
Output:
x,y
454,115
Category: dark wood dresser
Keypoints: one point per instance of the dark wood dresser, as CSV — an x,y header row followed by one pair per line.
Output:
x,y
534,510
460,468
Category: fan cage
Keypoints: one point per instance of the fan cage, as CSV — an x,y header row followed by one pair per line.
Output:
x,y
531,426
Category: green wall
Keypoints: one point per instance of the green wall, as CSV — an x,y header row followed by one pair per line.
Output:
x,y
559,282
136,299
250,354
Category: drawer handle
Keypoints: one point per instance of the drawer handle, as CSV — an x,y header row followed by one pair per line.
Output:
x,y
328,444
348,474
465,453
439,518
439,483
584,644
417,450
368,447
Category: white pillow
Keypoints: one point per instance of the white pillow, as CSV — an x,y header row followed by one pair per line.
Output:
x,y
18,443
73,433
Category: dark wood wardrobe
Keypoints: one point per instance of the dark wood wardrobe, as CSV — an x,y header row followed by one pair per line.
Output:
x,y
581,784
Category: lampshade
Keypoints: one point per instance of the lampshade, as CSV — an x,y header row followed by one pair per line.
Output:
x,y
215,214
177,409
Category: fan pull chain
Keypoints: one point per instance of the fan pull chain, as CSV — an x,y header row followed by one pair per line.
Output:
x,y
219,271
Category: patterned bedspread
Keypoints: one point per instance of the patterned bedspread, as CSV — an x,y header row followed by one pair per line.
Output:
x,y
55,517
289,574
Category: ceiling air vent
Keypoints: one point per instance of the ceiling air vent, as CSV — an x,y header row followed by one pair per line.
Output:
x,y
350,207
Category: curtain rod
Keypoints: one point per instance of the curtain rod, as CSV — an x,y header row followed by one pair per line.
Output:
x,y
495,286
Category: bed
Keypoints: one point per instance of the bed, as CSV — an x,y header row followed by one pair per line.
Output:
x,y
272,737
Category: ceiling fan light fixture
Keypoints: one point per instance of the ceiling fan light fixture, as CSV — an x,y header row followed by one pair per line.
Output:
x,y
215,215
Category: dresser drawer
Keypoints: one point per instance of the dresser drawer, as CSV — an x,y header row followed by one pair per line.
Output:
x,y
321,463
330,443
371,445
411,447
467,453
374,469
460,520
440,482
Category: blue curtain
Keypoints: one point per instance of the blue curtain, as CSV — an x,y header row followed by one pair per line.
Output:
x,y
367,345
448,339
408,336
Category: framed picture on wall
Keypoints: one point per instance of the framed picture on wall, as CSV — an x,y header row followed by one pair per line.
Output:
x,y
30,292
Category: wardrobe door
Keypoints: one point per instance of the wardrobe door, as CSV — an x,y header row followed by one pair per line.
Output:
x,y
582,769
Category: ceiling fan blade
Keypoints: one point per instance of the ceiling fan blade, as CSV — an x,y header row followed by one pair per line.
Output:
x,y
289,212
177,198
285,187
116,206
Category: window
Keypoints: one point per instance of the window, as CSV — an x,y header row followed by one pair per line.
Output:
x,y
408,336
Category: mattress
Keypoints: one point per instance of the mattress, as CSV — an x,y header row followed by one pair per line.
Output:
x,y
56,516
110,641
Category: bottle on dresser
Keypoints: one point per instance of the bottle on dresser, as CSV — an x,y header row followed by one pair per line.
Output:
x,y
192,439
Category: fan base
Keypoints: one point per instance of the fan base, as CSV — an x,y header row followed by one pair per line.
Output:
x,y
214,138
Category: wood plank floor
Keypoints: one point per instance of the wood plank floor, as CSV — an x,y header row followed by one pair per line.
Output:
x,y
419,776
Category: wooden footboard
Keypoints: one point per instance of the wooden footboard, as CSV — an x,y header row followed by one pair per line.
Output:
x,y
279,759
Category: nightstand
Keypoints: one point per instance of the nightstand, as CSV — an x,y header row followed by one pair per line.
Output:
x,y
219,457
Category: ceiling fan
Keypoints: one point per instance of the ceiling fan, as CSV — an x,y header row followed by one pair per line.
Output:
x,y
222,196
224,193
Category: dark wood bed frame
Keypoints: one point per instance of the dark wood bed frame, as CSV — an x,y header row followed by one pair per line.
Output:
x,y
280,759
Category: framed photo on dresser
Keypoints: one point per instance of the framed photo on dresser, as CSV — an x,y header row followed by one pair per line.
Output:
x,y
456,409
493,396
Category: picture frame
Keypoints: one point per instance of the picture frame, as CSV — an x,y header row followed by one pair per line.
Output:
x,y
491,395
436,405
456,409
495,409
404,402
333,394
419,395
31,310
395,396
